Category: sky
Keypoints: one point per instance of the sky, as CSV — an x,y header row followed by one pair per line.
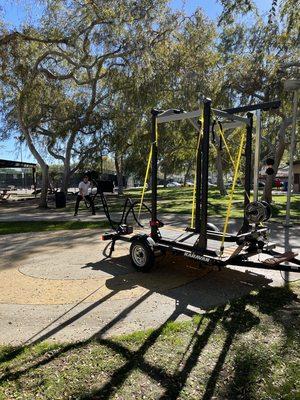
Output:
x,y
14,12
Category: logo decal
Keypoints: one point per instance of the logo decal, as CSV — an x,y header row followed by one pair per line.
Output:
x,y
197,257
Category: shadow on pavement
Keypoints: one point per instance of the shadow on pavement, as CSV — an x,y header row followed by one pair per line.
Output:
x,y
236,317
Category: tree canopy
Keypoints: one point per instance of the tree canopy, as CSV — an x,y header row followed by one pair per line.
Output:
x,y
82,81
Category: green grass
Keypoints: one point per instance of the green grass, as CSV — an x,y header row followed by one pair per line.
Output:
x,y
247,349
170,200
179,200
45,226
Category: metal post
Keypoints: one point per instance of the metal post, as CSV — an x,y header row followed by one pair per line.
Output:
x,y
292,149
257,154
198,183
248,169
204,174
153,223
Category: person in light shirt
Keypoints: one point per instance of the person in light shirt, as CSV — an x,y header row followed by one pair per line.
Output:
x,y
83,194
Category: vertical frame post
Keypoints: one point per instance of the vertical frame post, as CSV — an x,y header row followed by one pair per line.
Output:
x,y
257,154
202,242
291,161
198,182
248,169
153,222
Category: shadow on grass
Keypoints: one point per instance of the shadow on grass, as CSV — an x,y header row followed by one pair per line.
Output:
x,y
234,319
249,364
252,362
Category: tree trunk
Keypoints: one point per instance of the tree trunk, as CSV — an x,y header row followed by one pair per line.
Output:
x,y
38,157
281,144
45,186
67,162
66,178
165,178
119,171
101,163
187,172
220,178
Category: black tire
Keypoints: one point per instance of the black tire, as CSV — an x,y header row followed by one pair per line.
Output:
x,y
141,255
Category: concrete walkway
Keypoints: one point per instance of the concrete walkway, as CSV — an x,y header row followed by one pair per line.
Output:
x,y
59,286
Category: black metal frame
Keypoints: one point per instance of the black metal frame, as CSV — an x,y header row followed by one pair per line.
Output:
x,y
270,105
202,198
248,170
250,241
154,168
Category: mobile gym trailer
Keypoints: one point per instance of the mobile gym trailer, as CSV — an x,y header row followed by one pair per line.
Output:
x,y
203,241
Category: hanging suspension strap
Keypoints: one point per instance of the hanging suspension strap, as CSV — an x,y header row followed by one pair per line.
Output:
x,y
222,137
235,177
147,171
145,182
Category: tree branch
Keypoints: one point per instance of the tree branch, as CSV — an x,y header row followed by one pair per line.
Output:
x,y
5,39
53,154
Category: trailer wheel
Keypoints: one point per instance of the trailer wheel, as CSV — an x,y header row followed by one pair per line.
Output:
x,y
142,256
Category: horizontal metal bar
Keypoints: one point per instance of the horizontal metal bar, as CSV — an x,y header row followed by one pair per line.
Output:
x,y
238,262
191,115
231,117
177,246
226,125
232,238
177,117
170,111
271,105
232,125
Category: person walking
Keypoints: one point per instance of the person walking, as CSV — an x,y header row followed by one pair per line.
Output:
x,y
83,194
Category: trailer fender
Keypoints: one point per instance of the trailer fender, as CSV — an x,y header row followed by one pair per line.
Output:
x,y
212,227
143,237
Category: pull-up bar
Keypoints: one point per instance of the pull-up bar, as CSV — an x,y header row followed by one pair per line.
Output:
x,y
179,115
271,105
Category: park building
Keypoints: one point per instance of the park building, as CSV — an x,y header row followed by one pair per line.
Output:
x,y
282,177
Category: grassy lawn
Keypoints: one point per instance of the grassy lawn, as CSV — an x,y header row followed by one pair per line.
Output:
x,y
170,200
179,200
247,349
43,226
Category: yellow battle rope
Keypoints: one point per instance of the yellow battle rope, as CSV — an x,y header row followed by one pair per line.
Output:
x,y
195,178
145,182
221,131
147,171
225,143
235,177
